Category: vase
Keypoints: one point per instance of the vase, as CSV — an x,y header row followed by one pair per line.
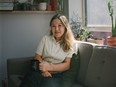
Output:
x,y
101,41
53,4
111,41
48,8
42,6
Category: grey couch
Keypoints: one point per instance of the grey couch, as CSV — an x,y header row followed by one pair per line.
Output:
x,y
97,67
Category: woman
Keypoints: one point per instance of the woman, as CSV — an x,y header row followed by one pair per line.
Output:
x,y
54,54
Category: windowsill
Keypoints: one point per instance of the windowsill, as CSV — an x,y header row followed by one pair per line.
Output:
x,y
100,28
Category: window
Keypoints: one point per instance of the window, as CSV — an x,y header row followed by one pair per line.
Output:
x,y
96,13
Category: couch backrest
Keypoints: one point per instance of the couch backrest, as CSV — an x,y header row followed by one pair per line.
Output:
x,y
85,50
18,65
101,70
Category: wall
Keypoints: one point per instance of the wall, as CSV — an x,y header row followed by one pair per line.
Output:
x,y
21,33
0,47
66,8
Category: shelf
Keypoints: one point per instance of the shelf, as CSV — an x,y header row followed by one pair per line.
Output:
x,y
27,12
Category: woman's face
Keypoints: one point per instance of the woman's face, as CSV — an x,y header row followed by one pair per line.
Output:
x,y
58,29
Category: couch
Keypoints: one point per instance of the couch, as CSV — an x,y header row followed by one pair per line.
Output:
x,y
97,67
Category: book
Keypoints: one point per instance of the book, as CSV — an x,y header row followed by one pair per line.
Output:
x,y
6,8
6,4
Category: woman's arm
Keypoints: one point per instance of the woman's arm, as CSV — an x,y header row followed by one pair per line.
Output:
x,y
58,67
44,73
38,57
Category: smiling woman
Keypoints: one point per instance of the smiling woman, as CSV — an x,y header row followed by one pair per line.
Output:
x,y
57,29
54,53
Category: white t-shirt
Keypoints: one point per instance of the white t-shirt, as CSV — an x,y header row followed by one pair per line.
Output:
x,y
51,51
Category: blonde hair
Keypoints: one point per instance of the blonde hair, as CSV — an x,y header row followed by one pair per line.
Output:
x,y
67,38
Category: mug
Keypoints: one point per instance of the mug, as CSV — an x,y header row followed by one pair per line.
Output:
x,y
35,65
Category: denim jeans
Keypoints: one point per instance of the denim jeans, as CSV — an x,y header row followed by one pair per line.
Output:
x,y
35,79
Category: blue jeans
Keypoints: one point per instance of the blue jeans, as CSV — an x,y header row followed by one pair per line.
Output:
x,y
35,79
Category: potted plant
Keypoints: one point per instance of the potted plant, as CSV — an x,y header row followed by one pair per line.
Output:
x,y
75,23
112,39
59,7
85,33
80,33
96,40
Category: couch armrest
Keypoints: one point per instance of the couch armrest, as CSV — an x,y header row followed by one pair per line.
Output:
x,y
17,66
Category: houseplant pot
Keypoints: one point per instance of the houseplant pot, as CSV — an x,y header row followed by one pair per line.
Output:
x,y
96,41
42,6
111,40
99,41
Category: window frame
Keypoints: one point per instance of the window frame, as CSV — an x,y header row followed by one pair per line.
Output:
x,y
101,28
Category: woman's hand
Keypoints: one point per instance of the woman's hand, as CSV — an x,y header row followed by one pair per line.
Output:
x,y
46,74
43,67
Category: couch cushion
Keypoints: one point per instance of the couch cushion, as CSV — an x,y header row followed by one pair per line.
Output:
x,y
77,85
102,68
85,50
69,76
15,79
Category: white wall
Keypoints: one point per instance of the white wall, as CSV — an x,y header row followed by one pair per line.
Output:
x,y
0,47
21,34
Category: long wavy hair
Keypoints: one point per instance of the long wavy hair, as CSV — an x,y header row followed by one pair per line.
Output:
x,y
67,38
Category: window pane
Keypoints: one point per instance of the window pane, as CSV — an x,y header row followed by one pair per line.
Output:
x,y
97,13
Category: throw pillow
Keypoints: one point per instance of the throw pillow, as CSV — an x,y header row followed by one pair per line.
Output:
x,y
70,75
